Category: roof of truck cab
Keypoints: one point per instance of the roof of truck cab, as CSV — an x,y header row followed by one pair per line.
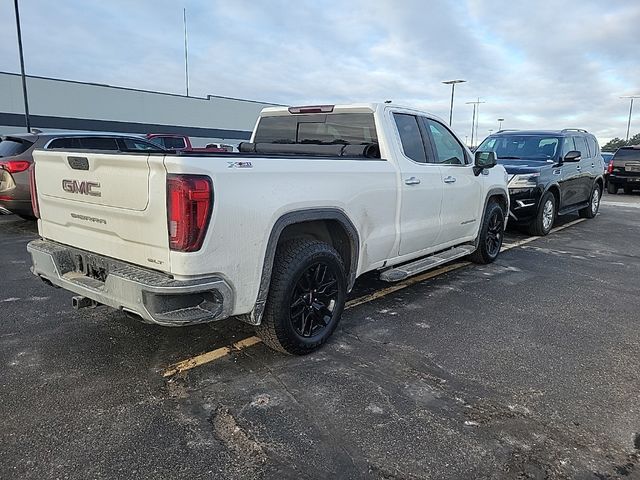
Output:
x,y
343,108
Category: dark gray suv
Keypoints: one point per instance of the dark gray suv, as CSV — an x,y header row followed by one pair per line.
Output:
x,y
16,156
551,173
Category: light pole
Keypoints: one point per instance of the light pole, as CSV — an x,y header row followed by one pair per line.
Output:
x,y
27,120
475,119
632,97
453,88
500,120
186,50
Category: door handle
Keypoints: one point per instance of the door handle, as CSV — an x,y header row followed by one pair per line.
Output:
x,y
449,179
412,181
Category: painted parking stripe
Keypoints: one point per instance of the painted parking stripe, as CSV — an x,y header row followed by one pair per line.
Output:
x,y
222,352
621,204
207,357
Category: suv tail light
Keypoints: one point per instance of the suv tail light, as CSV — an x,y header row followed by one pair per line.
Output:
x,y
35,206
610,167
189,206
15,166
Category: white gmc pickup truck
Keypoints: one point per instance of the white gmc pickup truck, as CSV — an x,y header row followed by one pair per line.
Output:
x,y
274,235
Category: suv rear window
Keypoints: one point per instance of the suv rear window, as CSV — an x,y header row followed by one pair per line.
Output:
x,y
625,154
13,146
318,129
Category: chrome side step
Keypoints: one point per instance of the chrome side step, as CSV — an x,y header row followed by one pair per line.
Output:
x,y
426,263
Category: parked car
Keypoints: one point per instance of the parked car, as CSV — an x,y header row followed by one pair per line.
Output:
x,y
624,170
606,157
16,156
276,234
181,143
551,173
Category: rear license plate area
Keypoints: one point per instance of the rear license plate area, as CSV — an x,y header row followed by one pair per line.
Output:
x,y
91,267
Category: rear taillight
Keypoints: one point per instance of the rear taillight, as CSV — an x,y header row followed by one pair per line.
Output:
x,y
35,206
15,166
189,205
610,167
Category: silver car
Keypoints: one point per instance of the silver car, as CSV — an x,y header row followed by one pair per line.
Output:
x,y
16,157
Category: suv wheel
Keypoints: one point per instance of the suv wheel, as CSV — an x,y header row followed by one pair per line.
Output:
x,y
628,190
612,188
491,235
306,297
546,216
594,204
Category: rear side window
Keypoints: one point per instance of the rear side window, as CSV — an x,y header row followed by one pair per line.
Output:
x,y
581,146
593,146
13,146
133,144
448,150
99,143
410,136
318,129
67,143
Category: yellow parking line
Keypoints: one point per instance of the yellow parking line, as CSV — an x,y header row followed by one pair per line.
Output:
x,y
221,352
207,357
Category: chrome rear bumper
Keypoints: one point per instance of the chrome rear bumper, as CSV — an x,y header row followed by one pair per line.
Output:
x,y
154,296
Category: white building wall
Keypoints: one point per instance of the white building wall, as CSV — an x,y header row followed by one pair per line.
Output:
x,y
61,104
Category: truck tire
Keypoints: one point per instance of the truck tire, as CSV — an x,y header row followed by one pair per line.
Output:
x,y
628,190
546,216
612,188
594,203
491,234
306,297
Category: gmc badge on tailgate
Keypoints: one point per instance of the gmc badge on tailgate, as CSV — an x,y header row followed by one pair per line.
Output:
x,y
83,188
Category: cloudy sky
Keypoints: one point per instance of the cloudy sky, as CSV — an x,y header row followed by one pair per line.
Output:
x,y
538,64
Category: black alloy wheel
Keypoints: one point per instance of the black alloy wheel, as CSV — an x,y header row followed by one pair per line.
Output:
x,y
491,234
495,233
314,299
306,297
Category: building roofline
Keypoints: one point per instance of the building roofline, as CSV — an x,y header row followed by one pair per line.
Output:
x,y
208,97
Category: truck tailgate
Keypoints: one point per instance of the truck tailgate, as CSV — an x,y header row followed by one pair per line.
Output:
x,y
112,204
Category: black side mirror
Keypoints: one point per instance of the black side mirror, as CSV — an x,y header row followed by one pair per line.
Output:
x,y
573,156
484,160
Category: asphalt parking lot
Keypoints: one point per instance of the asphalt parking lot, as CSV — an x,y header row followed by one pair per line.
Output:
x,y
526,368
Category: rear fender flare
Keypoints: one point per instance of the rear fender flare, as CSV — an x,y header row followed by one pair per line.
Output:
x,y
291,218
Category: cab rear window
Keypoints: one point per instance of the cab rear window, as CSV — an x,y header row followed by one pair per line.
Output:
x,y
10,147
318,129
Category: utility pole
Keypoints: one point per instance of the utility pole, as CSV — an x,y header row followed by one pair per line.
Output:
x,y
500,120
475,119
453,88
186,50
632,97
27,120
